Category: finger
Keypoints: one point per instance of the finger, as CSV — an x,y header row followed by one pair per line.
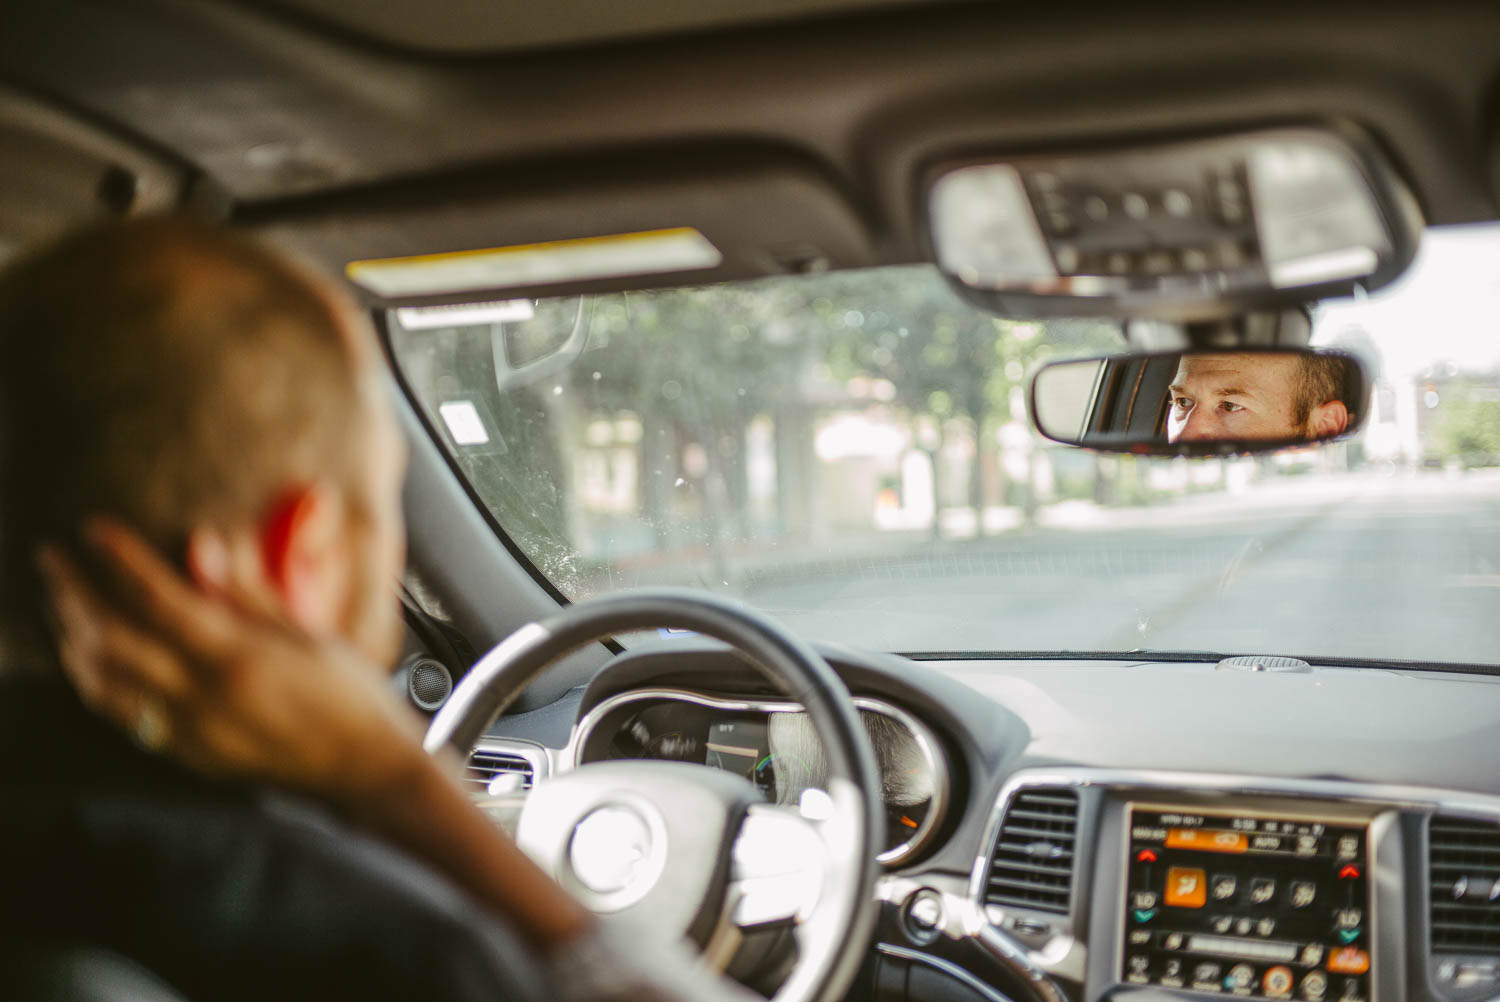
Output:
x,y
210,562
159,592
68,595
97,647
149,720
73,630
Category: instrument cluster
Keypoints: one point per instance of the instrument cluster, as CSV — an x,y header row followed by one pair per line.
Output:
x,y
775,746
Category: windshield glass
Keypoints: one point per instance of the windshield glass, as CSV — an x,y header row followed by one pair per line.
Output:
x,y
850,452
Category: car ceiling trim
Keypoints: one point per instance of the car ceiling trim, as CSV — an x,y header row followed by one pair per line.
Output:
x,y
926,741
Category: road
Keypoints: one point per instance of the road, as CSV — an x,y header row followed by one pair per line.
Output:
x,y
1404,566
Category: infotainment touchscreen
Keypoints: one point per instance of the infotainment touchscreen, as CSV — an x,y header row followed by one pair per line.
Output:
x,y
1251,905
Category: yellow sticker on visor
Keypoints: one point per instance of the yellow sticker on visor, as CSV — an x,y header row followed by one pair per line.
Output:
x,y
653,252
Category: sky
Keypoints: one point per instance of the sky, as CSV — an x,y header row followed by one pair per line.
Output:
x,y
1446,307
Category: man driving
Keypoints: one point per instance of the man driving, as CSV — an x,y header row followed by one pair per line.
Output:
x,y
1256,395
202,499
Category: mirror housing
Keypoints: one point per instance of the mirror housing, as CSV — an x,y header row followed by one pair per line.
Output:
x,y
1185,230
1202,401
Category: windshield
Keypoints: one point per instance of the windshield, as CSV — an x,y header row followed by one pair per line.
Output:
x,y
850,452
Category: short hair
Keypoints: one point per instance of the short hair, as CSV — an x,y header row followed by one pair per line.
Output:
x,y
166,373
1320,378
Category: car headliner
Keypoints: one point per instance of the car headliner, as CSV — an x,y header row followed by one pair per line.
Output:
x,y
785,141
480,26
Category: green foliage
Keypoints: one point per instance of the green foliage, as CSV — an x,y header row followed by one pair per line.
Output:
x,y
733,350
1469,428
694,367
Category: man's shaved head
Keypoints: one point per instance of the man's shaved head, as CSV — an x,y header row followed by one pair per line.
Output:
x,y
166,373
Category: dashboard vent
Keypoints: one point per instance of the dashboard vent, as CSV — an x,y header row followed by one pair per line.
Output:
x,y
487,763
1464,867
1032,866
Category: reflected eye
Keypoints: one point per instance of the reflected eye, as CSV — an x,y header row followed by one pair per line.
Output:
x,y
1230,407
1183,403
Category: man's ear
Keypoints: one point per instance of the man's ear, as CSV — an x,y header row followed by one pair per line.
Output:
x,y
303,556
1328,420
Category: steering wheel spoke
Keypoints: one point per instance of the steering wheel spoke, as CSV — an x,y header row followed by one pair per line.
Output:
x,y
778,867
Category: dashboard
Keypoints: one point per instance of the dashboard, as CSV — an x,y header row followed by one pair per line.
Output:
x,y
1076,831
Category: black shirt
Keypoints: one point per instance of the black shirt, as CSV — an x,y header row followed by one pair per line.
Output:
x,y
223,892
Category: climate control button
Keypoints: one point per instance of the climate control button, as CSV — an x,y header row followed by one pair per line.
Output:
x,y
1278,981
1240,976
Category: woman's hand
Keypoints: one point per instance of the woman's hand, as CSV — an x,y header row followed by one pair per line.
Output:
x,y
228,689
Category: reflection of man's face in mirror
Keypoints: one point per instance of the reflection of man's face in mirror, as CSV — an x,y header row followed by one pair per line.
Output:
x,y
1254,395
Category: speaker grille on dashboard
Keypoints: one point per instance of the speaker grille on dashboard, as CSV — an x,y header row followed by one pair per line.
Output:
x,y
429,684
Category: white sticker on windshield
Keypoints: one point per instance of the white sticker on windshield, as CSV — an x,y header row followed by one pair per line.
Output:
x,y
464,423
654,252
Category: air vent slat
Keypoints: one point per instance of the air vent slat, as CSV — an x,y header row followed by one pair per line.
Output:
x,y
1059,860
1043,833
1031,862
1045,817
1463,867
1051,887
1024,849
1480,927
484,765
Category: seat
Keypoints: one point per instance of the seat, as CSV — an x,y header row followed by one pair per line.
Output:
x,y
41,971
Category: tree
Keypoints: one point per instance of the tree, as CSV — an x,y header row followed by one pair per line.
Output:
x,y
946,360
1470,426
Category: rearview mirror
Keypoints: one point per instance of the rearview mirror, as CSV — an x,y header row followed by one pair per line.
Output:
x,y
1210,402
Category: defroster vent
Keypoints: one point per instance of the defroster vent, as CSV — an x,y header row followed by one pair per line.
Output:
x,y
1032,866
486,763
1464,867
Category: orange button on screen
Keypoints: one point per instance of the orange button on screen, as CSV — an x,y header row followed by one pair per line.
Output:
x,y
1186,888
1349,961
1207,841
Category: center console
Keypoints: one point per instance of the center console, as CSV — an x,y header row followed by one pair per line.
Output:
x,y
1246,903
1105,885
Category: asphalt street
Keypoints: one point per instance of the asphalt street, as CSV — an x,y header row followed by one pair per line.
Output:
x,y
1403,566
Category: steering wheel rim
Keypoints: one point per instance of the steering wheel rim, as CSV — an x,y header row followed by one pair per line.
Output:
x,y
826,965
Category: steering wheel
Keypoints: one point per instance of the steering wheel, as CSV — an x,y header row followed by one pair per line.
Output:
x,y
674,850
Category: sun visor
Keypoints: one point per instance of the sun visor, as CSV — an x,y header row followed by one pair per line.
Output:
x,y
431,244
